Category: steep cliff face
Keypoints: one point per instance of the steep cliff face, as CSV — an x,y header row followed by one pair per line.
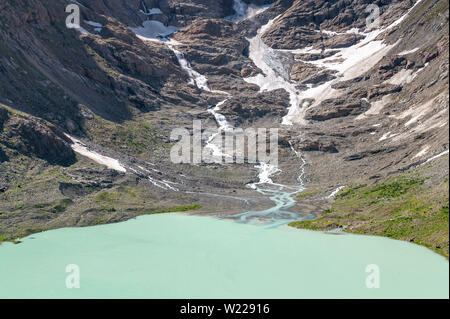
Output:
x,y
395,114
35,137
48,69
171,12
312,23
359,101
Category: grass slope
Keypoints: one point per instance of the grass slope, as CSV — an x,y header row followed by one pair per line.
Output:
x,y
411,206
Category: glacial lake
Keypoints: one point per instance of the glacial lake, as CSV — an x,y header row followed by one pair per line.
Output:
x,y
179,256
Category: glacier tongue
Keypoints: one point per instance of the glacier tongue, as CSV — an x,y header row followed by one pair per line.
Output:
x,y
354,61
265,58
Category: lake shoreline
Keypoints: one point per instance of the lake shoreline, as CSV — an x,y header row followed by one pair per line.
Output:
x,y
156,251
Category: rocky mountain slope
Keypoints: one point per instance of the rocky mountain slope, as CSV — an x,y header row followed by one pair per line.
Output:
x,y
86,114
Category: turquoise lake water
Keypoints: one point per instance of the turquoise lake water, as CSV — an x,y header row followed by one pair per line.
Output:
x,y
178,256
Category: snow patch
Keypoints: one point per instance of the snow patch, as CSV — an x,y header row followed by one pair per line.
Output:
x,y
152,11
158,183
80,148
436,157
403,77
422,152
387,136
406,52
83,30
376,107
93,24
335,192
97,26
416,112
436,121
153,30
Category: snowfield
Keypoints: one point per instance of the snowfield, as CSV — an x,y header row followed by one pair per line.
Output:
x,y
153,30
109,162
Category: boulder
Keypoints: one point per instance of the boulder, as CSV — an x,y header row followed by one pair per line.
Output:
x,y
335,108
318,146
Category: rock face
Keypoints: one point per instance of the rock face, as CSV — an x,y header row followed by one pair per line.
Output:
x,y
334,108
31,136
215,47
4,116
340,41
317,146
172,12
123,94
301,25
251,107
106,71
306,73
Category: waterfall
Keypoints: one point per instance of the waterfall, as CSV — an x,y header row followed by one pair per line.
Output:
x,y
145,9
240,7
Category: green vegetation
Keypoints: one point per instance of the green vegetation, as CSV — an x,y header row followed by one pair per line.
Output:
x,y
134,137
62,205
305,194
58,207
102,63
390,189
408,207
176,209
35,201
308,224
106,196
348,191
